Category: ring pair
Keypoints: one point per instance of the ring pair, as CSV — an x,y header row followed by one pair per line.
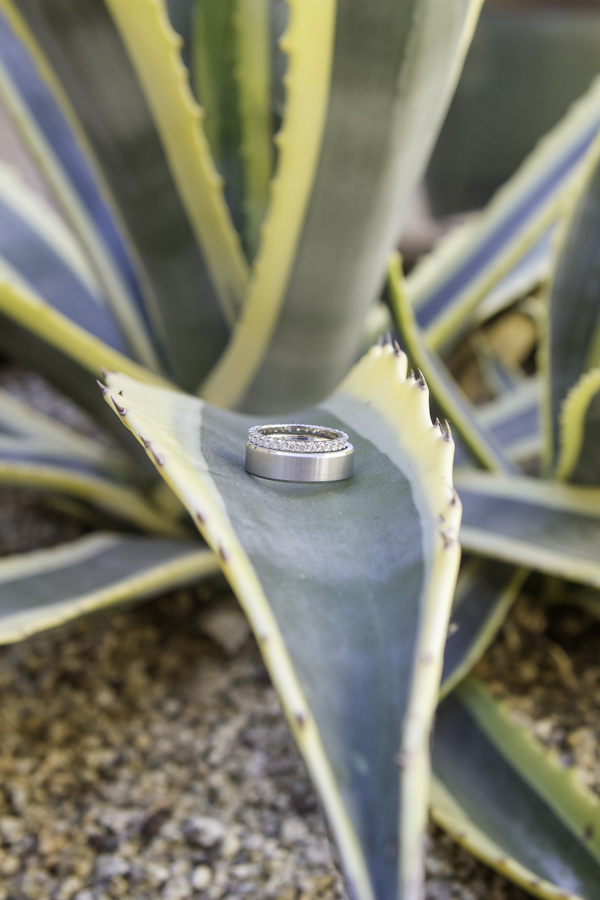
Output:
x,y
306,453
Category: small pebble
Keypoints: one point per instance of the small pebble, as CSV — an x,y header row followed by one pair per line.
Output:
x,y
202,831
201,877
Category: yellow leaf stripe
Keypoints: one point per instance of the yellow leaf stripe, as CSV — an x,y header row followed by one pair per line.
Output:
x,y
309,45
572,422
154,50
84,230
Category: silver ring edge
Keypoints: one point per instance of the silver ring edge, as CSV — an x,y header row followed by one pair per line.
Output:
x,y
305,468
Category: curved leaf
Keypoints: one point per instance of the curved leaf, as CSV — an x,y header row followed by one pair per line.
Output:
x,y
574,302
554,528
46,588
347,586
119,499
35,334
37,250
448,284
485,592
27,435
347,165
216,88
514,420
510,802
531,271
52,139
154,50
80,44
308,42
479,440
579,460
252,27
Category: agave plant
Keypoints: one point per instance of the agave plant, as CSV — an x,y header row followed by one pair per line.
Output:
x,y
218,274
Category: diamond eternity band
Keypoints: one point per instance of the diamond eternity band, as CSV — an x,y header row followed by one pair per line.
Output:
x,y
298,438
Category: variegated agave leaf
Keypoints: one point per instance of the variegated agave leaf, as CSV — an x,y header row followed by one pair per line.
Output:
x,y
54,315
49,131
188,263
507,247
478,438
573,351
485,592
578,459
170,202
324,247
514,419
551,527
47,588
353,634
510,801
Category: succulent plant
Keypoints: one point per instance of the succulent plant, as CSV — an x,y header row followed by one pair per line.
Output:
x,y
215,275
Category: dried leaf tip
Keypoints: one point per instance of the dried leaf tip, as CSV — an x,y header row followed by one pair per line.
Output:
x,y
200,518
120,409
223,554
421,380
448,435
397,349
102,387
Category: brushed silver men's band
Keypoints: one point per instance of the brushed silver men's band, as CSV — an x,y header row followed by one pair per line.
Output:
x,y
292,452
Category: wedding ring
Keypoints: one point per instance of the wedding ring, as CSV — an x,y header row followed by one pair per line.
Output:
x,y
299,453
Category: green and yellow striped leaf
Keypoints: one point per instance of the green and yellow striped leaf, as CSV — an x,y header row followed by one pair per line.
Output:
x,y
367,86
38,252
579,457
446,287
478,438
531,272
510,802
213,65
347,586
573,303
38,336
154,49
551,527
62,477
514,420
47,588
485,592
51,135
252,21
27,435
109,93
